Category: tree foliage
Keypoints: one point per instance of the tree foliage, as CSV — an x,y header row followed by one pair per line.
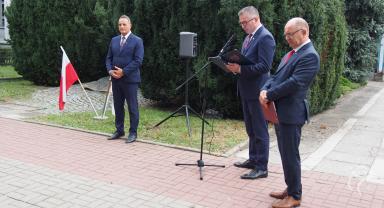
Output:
x,y
159,24
81,27
161,35
85,27
366,26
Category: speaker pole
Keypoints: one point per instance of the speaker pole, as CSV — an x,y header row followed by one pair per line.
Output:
x,y
187,50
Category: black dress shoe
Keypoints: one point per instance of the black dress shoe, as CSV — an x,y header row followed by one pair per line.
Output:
x,y
131,138
246,164
254,174
116,135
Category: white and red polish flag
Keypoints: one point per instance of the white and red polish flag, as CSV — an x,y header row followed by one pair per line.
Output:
x,y
68,77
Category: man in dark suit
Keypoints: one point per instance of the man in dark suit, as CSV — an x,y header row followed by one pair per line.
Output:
x,y
259,47
124,58
288,88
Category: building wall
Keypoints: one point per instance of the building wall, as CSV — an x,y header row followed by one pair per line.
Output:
x,y
4,33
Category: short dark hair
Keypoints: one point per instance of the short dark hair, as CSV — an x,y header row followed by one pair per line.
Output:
x,y
249,10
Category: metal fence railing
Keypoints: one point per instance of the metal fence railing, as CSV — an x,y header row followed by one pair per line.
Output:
x,y
6,56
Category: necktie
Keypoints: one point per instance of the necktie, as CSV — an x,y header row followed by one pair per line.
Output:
x,y
122,42
289,55
247,41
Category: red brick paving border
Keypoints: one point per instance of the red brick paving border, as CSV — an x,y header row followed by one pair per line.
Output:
x,y
152,168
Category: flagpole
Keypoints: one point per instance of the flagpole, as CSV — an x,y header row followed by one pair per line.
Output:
x,y
89,99
107,98
109,90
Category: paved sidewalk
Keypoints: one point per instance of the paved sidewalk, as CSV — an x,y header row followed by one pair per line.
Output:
x,y
357,148
347,139
44,166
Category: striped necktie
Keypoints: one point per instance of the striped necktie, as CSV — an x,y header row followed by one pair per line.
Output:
x,y
247,41
122,42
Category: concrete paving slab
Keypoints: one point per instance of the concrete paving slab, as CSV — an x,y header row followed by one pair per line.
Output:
x,y
346,157
376,173
316,157
369,124
342,168
368,138
357,150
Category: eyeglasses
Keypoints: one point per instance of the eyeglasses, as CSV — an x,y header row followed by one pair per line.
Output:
x,y
244,23
290,35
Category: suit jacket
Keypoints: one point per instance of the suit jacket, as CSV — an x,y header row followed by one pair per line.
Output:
x,y
288,87
129,58
260,51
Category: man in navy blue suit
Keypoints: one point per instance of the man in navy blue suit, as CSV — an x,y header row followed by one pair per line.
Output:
x,y
288,88
124,58
259,47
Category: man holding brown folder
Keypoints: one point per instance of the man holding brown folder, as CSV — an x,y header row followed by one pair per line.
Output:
x,y
259,48
288,88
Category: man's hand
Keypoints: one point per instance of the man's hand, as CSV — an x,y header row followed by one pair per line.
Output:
x,y
263,98
234,68
117,73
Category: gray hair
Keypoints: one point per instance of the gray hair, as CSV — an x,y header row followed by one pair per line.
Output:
x,y
125,17
251,11
299,23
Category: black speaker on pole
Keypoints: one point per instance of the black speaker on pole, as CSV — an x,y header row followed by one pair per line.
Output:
x,y
188,44
187,50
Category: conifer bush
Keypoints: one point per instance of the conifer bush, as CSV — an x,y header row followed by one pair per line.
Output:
x,y
84,28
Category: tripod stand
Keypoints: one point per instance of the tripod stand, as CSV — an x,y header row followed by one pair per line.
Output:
x,y
186,106
200,162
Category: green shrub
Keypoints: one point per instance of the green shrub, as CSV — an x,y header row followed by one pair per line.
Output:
x,y
84,28
213,21
81,27
366,26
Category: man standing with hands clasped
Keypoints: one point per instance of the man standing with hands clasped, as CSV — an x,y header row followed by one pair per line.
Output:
x,y
124,58
288,88
259,47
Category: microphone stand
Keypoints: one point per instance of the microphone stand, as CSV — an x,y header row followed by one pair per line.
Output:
x,y
229,43
200,163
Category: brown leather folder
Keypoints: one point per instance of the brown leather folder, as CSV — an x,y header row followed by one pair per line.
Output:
x,y
270,113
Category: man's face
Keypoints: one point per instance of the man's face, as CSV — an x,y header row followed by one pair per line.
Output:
x,y
294,35
248,23
124,26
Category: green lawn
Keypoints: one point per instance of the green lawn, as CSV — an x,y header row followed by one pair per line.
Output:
x,y
15,89
8,72
12,89
220,136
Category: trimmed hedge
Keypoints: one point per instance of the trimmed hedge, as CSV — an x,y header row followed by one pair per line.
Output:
x,y
161,36
81,27
85,27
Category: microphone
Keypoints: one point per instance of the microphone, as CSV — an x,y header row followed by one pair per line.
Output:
x,y
231,41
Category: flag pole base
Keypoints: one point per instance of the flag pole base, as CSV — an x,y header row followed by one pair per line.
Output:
x,y
100,117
